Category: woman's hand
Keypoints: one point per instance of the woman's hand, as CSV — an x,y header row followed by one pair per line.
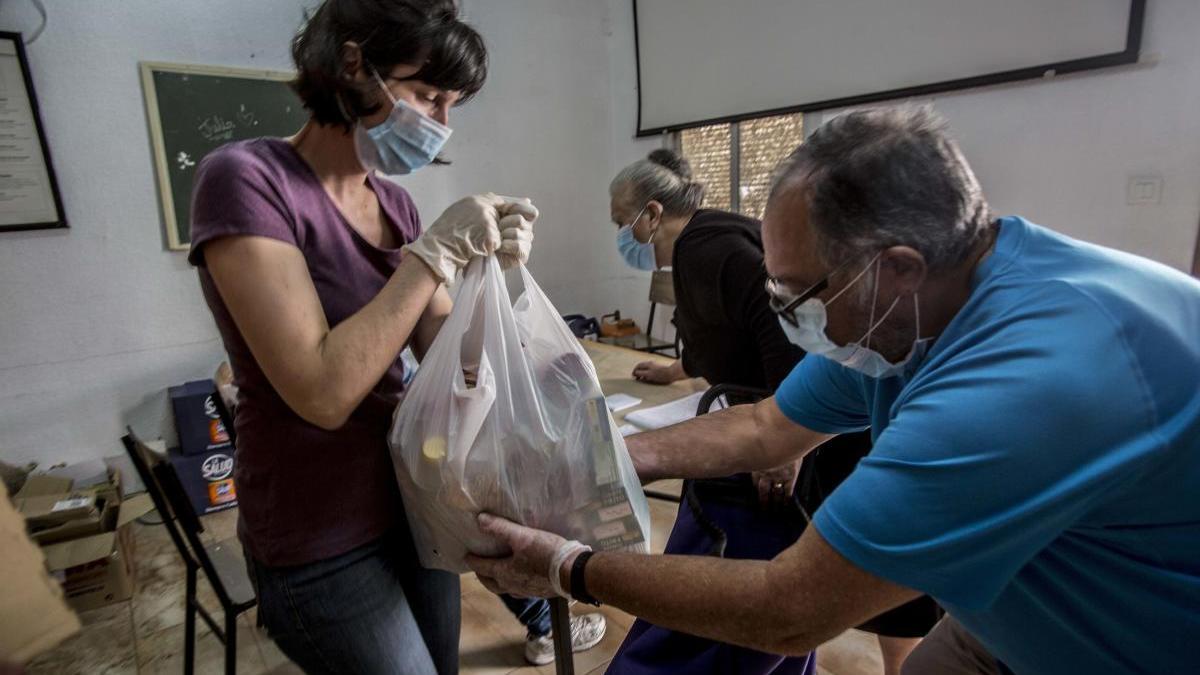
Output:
x,y
516,231
476,226
653,372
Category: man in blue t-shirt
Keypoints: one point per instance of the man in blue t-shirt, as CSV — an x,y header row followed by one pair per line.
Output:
x,y
1035,403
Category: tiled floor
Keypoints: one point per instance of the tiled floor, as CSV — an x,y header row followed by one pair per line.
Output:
x,y
145,634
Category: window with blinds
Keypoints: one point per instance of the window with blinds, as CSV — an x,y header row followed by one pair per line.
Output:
x,y
736,161
708,151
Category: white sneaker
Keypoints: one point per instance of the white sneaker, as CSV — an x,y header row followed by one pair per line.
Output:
x,y
587,630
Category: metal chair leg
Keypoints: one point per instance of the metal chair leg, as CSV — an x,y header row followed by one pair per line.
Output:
x,y
189,623
230,642
560,621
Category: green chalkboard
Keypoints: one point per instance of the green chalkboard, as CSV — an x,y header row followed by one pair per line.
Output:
x,y
193,110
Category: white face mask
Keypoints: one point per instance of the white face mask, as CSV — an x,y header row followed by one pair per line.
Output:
x,y
809,334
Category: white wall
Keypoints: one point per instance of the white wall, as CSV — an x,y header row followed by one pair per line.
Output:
x,y
97,321
540,128
548,125
1060,151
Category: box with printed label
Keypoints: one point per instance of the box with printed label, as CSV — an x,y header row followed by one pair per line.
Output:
x,y
98,570
196,418
85,535
207,479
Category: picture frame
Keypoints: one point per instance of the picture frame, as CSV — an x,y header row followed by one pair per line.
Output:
x,y
29,195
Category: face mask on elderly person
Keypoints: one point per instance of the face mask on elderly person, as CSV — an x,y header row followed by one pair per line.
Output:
x,y
804,319
637,254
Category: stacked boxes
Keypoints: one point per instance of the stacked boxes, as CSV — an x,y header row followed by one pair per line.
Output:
x,y
85,536
204,459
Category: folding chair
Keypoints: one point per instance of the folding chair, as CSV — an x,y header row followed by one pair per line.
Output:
x,y
662,292
222,562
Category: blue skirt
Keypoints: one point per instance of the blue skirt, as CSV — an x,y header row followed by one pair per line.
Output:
x,y
744,532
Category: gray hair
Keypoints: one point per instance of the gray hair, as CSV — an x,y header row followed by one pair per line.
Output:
x,y
664,177
887,177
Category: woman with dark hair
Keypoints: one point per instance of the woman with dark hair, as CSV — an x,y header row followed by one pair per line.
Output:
x,y
730,336
318,275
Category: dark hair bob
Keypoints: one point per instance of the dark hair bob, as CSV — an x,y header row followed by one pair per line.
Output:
x,y
425,33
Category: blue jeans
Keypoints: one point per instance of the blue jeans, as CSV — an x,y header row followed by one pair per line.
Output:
x,y
533,613
372,610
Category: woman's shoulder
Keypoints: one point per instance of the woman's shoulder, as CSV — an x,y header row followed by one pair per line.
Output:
x,y
252,156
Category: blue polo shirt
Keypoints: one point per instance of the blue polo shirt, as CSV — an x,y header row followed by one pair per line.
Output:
x,y
1038,471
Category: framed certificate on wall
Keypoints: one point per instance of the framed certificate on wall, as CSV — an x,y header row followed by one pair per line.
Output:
x,y
29,197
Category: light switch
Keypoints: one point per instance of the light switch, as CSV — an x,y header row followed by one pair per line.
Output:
x,y
1143,190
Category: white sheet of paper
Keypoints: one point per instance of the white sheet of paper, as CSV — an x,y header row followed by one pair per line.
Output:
x,y
629,430
666,414
619,402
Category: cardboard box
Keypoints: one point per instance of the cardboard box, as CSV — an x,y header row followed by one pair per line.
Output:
x,y
55,510
40,485
207,479
85,535
196,418
33,615
98,570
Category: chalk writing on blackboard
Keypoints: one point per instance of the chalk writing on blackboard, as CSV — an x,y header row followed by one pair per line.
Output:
x,y
246,117
184,161
216,128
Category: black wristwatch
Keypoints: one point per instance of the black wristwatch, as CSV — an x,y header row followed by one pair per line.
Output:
x,y
578,586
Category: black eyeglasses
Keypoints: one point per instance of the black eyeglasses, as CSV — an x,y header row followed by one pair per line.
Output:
x,y
784,303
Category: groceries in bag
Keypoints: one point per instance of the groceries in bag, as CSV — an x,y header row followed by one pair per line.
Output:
x,y
506,416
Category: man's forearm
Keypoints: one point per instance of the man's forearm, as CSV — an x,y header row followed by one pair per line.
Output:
x,y
741,438
695,595
790,605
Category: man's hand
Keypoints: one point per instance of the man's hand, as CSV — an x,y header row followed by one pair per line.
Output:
x,y
653,372
775,486
525,572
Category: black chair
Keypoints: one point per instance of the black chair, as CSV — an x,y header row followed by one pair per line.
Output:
x,y
714,394
222,562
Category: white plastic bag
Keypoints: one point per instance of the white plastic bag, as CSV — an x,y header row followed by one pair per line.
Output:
x,y
531,439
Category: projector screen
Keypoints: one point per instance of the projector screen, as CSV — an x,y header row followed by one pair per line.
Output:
x,y
707,61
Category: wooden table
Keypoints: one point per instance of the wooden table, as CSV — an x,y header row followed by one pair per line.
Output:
x,y
614,365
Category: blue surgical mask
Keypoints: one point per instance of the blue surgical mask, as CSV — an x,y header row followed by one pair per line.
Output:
x,y
638,255
809,335
406,141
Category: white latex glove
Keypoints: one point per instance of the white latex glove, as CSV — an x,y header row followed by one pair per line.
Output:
x,y
516,231
469,228
523,572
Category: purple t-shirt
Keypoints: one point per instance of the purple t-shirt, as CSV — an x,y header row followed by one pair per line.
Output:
x,y
305,493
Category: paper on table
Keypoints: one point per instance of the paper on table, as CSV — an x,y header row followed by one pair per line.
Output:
x,y
629,430
619,402
666,414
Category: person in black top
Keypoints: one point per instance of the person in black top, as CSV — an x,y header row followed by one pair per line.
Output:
x,y
731,336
